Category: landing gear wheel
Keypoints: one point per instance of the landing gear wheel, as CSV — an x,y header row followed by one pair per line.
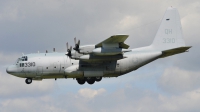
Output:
x,y
80,81
90,80
98,79
28,80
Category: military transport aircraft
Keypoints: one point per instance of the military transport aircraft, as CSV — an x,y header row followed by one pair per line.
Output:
x,y
109,58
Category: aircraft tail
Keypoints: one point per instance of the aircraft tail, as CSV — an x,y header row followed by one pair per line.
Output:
x,y
169,34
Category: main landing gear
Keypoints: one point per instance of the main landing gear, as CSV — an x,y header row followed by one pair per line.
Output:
x,y
81,81
28,80
90,80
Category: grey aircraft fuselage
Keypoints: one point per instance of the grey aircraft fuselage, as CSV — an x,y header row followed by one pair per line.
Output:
x,y
54,65
110,58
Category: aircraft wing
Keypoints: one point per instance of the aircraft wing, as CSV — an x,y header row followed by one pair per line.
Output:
x,y
109,49
114,41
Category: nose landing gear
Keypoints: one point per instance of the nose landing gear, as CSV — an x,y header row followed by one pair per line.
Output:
x,y
28,81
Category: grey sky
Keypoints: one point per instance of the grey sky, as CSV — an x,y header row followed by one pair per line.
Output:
x,y
170,84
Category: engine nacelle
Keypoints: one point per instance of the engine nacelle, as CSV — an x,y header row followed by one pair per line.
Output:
x,y
101,57
109,51
86,49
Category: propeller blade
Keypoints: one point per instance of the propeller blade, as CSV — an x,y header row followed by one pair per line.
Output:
x,y
76,47
75,40
78,42
67,45
70,48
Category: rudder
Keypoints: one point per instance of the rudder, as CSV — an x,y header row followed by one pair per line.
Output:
x,y
169,34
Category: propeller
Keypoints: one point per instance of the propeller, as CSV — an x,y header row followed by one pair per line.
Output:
x,y
68,50
76,48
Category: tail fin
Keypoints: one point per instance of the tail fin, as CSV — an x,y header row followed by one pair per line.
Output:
x,y
169,34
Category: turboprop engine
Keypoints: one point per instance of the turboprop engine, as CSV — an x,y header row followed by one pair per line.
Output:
x,y
113,51
86,49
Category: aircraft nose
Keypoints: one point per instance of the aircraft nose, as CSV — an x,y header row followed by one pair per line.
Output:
x,y
8,69
11,69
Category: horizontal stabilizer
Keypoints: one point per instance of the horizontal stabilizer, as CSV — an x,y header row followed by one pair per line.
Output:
x,y
174,51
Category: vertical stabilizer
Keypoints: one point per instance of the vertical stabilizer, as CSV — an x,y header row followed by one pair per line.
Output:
x,y
169,34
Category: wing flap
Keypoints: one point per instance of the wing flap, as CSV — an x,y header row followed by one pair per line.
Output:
x,y
123,45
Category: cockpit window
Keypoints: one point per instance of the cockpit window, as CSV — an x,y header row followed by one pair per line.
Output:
x,y
24,58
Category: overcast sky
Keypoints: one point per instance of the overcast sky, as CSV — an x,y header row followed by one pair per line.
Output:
x,y
169,84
